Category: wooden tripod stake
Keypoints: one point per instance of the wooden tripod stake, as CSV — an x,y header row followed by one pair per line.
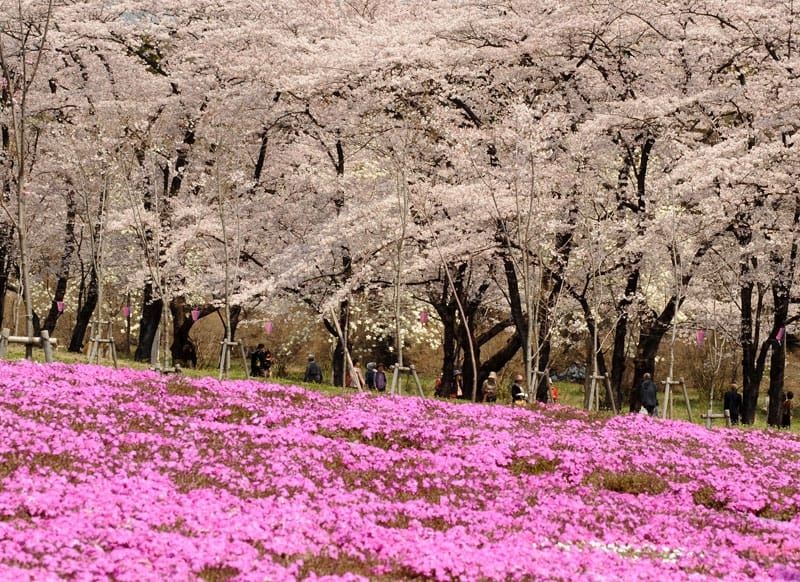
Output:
x,y
594,393
396,389
225,358
101,338
668,409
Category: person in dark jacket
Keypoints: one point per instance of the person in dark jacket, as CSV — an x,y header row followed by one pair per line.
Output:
x,y
648,394
517,393
370,379
313,371
258,361
380,379
732,402
787,403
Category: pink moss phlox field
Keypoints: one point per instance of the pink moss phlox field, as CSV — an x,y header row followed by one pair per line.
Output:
x,y
133,476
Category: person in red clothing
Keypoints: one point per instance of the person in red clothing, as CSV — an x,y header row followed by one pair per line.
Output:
x,y
553,392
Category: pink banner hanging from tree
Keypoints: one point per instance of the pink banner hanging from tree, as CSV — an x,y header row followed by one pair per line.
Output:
x,y
268,327
195,314
701,337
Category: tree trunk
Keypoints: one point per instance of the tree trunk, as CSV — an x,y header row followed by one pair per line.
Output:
x,y
84,315
750,378
777,367
618,360
6,263
780,299
70,245
148,324
236,317
338,352
447,309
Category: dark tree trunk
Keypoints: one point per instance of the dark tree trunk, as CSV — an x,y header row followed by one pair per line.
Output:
x,y
84,315
447,309
777,367
618,359
70,244
236,317
6,263
781,298
449,353
182,348
749,341
469,373
148,324
338,363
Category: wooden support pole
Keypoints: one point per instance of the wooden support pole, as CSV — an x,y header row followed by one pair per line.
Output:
x,y
47,347
686,398
416,379
4,335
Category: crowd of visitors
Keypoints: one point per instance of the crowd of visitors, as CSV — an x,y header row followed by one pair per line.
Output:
x,y
262,363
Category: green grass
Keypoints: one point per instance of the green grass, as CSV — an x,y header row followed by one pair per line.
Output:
x,y
570,394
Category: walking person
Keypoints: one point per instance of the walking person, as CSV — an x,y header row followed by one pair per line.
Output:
x,y
489,388
313,371
648,394
732,402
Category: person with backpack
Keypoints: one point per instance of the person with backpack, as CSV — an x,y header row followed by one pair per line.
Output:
x,y
489,388
370,376
380,379
313,371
